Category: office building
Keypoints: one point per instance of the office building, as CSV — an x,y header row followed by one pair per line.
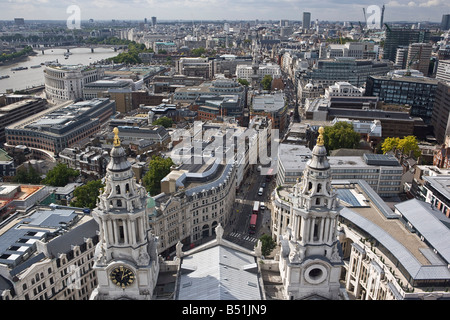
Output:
x,y
343,89
272,106
441,112
382,172
226,64
443,70
19,110
62,126
419,55
246,71
306,22
7,165
65,83
419,93
398,37
436,192
94,89
351,70
195,67
445,23
401,57
48,255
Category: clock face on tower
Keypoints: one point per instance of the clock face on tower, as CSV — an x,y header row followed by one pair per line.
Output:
x,y
122,276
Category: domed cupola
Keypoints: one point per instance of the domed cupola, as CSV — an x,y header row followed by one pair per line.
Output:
x,y
319,160
119,162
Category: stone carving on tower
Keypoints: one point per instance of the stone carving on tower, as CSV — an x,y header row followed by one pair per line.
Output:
x,y
310,261
125,258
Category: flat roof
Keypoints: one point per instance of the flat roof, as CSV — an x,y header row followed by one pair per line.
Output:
x,y
293,157
219,273
441,183
416,256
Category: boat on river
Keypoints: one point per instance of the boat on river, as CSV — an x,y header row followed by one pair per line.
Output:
x,y
19,68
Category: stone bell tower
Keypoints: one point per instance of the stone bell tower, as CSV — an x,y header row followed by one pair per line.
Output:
x,y
125,257
310,261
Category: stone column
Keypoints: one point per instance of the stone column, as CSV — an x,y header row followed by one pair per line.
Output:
x,y
311,230
327,229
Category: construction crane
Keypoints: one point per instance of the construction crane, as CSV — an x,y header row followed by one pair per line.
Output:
x,y
387,27
408,66
365,19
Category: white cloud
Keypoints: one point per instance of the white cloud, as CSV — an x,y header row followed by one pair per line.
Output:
x,y
431,3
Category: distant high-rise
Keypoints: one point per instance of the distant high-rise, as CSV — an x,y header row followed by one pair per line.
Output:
x,y
284,23
306,23
19,21
445,24
153,21
419,55
399,37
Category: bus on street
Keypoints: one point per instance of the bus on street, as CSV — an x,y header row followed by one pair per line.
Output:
x,y
255,207
253,219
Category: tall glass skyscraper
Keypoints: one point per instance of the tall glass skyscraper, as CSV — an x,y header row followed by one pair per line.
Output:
x,y
306,22
402,37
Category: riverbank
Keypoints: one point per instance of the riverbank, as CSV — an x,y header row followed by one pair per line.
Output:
x,y
16,60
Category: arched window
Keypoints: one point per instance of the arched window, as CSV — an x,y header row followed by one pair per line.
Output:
x,y
118,189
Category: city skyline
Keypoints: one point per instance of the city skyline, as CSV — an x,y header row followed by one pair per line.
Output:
x,y
329,10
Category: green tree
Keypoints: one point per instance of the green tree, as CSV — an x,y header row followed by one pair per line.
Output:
x,y
86,196
27,175
341,135
407,145
158,168
266,82
268,244
163,121
198,52
60,175
389,144
243,82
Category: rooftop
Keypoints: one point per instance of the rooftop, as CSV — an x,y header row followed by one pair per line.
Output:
x,y
219,273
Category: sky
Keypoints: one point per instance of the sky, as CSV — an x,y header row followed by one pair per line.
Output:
x,y
331,10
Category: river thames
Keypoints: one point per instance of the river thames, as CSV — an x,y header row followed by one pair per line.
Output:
x,y
23,79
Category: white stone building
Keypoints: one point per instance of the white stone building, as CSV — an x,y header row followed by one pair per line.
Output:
x,y
343,89
246,71
63,83
47,254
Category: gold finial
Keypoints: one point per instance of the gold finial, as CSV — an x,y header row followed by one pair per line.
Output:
x,y
320,141
116,137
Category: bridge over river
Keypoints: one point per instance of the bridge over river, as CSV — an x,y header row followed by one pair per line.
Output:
x,y
92,47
